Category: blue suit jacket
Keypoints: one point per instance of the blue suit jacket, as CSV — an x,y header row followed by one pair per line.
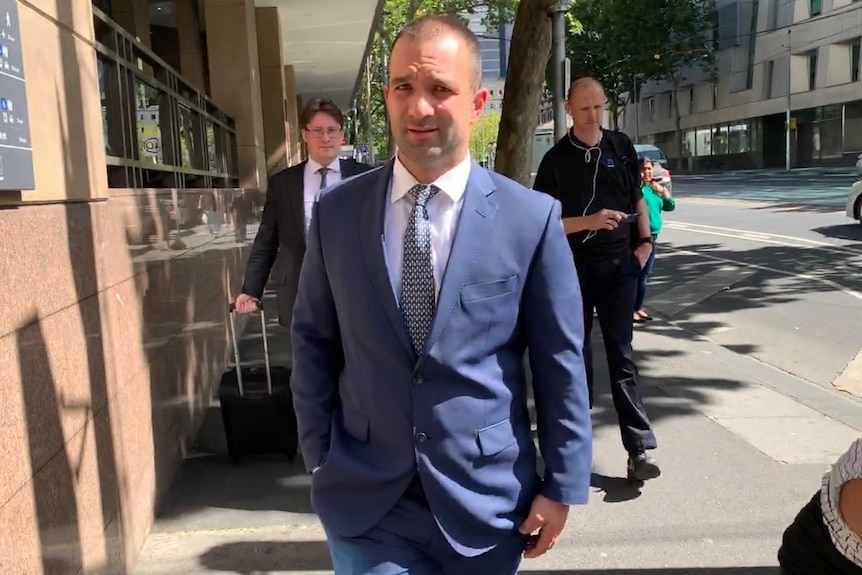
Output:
x,y
371,414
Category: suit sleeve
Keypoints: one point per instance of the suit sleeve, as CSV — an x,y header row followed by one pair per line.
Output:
x,y
554,326
317,353
265,247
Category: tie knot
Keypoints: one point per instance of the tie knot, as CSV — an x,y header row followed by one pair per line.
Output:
x,y
422,193
322,171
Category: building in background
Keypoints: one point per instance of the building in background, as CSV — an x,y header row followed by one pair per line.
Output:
x,y
494,46
121,119
772,55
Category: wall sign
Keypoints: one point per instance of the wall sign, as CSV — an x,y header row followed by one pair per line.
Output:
x,y
16,151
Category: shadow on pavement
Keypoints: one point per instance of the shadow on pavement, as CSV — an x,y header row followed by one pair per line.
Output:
x,y
851,232
663,571
256,557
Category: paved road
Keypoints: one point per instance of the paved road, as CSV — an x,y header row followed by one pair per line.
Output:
x,y
806,187
782,284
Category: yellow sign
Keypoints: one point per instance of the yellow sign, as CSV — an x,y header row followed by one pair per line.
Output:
x,y
792,123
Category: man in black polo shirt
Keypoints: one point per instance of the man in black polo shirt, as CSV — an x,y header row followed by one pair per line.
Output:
x,y
594,174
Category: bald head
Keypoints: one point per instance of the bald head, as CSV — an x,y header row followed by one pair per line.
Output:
x,y
437,26
586,104
582,83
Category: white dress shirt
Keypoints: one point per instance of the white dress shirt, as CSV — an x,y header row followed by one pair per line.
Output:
x,y
311,183
443,211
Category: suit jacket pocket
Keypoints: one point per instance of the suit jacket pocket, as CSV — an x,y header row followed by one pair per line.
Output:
x,y
496,438
487,290
356,425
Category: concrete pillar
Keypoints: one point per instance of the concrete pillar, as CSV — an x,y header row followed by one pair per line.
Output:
x,y
134,16
191,52
235,81
291,117
272,88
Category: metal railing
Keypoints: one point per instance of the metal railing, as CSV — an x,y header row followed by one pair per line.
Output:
x,y
159,131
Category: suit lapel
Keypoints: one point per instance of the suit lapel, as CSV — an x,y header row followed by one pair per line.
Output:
x,y
296,194
372,216
477,216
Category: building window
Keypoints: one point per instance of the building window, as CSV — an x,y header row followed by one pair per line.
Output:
x,y
854,59
812,70
691,101
815,7
752,45
715,96
770,75
651,109
670,104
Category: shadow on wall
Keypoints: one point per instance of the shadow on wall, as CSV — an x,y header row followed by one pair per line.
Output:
x,y
55,472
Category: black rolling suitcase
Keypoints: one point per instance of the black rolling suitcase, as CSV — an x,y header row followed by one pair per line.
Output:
x,y
256,405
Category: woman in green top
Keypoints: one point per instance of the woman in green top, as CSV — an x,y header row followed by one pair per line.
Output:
x,y
658,200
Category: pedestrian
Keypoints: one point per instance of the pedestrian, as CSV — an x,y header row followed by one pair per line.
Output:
x,y
593,172
280,238
424,284
658,199
826,535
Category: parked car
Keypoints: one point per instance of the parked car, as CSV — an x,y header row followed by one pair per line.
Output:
x,y
659,163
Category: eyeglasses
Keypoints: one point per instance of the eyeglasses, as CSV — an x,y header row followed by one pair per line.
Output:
x,y
320,132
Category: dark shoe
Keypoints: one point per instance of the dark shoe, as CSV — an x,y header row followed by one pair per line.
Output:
x,y
642,467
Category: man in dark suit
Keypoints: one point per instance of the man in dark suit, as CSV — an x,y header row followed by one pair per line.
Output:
x,y
425,282
287,211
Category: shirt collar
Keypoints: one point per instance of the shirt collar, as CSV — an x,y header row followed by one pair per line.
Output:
x,y
335,166
453,183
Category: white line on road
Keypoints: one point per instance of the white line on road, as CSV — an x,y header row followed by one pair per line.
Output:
x,y
834,285
777,239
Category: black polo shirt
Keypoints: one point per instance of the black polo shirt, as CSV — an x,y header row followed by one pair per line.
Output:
x,y
587,180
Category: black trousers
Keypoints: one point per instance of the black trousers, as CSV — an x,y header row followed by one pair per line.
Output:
x,y
609,287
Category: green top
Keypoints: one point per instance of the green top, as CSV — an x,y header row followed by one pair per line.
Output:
x,y
655,206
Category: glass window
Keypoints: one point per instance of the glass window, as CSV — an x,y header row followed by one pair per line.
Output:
x,y
719,140
854,59
815,7
149,130
703,142
812,70
737,138
853,127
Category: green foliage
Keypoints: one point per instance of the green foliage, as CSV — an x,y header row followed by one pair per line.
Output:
x,y
483,135
627,42
372,123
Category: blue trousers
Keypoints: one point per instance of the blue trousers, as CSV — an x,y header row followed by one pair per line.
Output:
x,y
643,278
408,541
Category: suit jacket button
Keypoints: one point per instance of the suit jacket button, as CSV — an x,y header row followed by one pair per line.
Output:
x,y
417,380
421,437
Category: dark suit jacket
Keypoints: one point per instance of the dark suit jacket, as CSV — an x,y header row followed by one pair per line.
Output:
x,y
281,237
371,413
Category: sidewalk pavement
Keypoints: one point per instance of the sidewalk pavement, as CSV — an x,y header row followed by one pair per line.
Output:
x,y
742,448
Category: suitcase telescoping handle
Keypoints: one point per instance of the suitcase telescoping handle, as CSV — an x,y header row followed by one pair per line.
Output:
x,y
231,315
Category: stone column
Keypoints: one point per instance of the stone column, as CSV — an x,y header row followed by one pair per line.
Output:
x,y
191,52
272,88
291,117
235,81
134,16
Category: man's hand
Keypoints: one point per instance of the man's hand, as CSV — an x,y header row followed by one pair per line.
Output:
x,y
605,220
245,303
549,518
642,253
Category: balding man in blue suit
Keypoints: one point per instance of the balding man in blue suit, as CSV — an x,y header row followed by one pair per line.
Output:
x,y
424,283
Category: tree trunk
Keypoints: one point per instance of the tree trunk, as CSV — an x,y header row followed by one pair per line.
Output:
x,y
615,111
528,58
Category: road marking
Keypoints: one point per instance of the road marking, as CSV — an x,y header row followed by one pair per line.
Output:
x,y
834,285
776,239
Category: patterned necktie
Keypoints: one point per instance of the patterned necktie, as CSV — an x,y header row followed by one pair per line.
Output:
x,y
323,172
417,274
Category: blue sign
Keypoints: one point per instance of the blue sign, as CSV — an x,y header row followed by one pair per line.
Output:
x,y
363,149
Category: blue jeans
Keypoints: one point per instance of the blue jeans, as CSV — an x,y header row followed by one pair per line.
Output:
x,y
643,278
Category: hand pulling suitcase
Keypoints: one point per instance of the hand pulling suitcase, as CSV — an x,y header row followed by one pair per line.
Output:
x,y
256,404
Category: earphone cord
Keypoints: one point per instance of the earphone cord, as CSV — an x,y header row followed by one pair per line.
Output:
x,y
587,157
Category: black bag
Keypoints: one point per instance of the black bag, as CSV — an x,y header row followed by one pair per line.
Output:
x,y
257,405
